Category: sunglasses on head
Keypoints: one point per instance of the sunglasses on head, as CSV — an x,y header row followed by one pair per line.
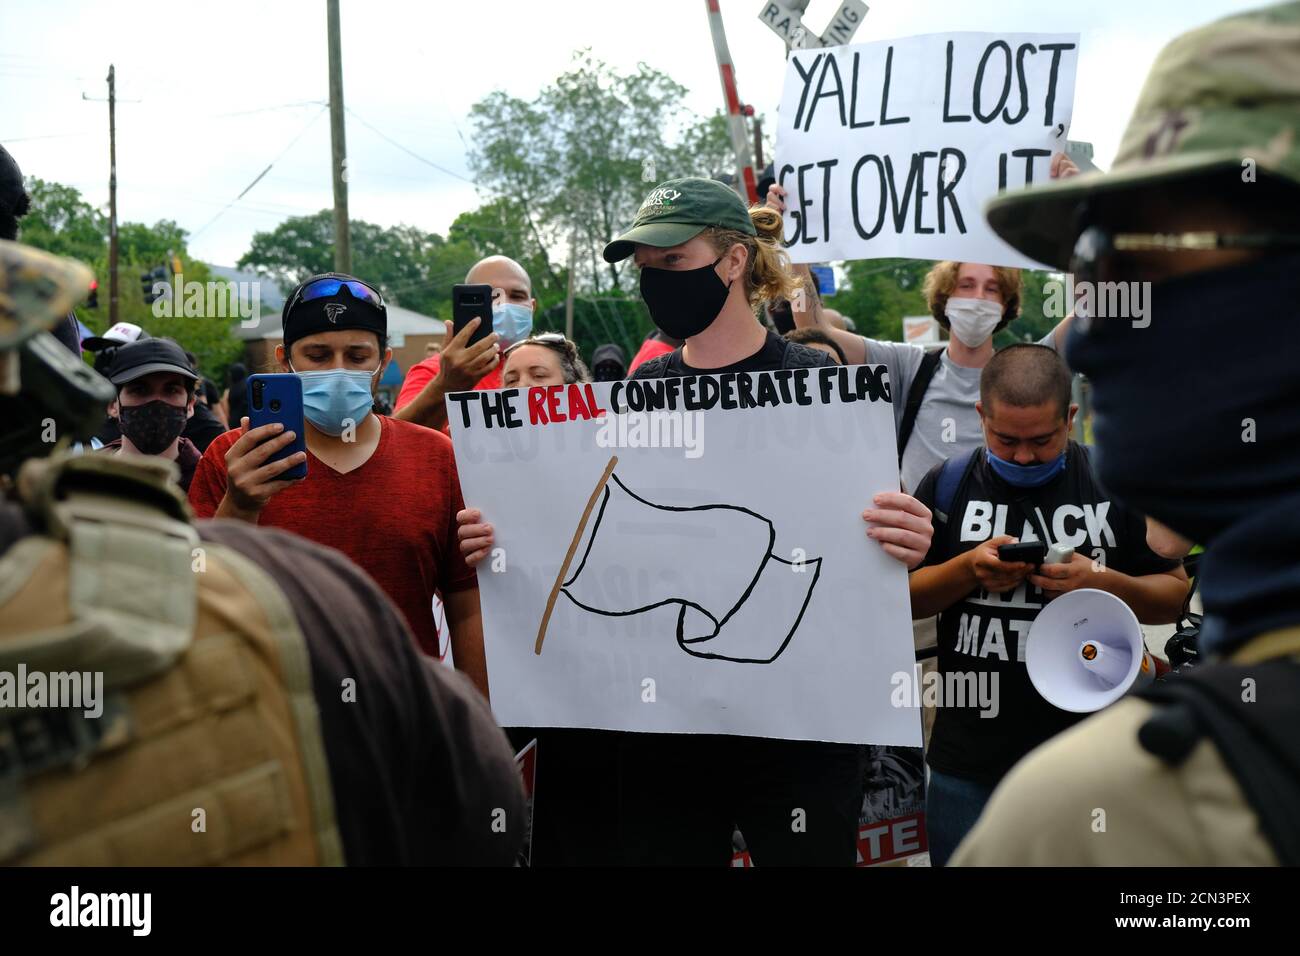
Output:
x,y
329,287
553,340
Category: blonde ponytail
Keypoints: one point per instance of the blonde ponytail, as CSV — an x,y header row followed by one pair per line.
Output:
x,y
769,275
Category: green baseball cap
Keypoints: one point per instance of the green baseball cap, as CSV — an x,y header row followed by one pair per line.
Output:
x,y
1217,97
681,209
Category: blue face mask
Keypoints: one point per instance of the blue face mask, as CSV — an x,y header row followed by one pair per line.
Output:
x,y
512,322
1026,476
336,397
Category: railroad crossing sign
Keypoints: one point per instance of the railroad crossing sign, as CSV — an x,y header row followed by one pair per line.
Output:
x,y
784,19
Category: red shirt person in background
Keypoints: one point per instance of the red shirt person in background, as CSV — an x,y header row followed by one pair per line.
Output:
x,y
383,492
656,343
461,367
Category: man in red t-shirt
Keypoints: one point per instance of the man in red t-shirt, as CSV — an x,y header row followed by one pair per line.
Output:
x,y
462,367
383,492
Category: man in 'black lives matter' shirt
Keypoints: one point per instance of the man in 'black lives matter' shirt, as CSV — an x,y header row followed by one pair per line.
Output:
x,y
1029,482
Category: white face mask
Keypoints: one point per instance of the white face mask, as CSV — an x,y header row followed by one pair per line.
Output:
x,y
973,320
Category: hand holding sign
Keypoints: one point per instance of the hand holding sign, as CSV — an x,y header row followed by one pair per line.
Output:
x,y
891,148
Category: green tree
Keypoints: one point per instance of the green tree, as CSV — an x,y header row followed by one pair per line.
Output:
x,y
500,227
63,223
578,159
1033,323
878,293
60,221
413,268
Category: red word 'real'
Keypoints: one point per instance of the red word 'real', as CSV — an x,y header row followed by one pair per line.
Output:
x,y
555,403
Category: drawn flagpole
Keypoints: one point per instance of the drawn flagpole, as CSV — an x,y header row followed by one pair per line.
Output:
x,y
573,549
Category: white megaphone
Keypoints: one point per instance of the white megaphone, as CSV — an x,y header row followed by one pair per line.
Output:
x,y
1085,651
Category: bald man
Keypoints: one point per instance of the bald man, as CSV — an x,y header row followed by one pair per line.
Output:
x,y
460,366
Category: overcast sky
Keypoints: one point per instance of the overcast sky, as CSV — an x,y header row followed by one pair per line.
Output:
x,y
225,88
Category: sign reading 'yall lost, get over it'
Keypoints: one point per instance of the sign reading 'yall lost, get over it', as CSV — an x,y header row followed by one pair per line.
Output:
x,y
890,149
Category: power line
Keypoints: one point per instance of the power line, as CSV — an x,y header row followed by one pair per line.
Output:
x,y
259,176
414,155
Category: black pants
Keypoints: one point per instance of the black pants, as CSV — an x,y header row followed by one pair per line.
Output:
x,y
575,804
680,796
606,797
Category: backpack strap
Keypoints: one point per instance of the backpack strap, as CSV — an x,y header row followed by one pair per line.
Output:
x,y
656,367
798,355
131,582
915,395
952,477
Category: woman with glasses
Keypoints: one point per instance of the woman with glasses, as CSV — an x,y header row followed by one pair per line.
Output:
x,y
545,359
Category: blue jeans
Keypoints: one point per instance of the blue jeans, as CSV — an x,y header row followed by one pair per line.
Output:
x,y
952,805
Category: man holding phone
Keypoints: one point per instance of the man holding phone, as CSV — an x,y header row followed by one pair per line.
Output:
x,y
464,364
1029,484
382,491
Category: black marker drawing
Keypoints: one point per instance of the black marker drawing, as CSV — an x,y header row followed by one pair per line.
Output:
x,y
737,629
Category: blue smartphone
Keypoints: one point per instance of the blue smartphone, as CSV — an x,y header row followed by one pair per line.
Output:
x,y
278,398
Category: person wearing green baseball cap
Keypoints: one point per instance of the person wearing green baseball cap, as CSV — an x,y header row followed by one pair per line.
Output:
x,y
1202,208
707,264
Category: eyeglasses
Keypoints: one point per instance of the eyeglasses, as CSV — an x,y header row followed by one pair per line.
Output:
x,y
1095,258
1094,250
329,286
553,340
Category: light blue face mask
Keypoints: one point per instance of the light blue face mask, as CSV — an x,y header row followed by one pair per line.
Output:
x,y
1026,476
333,398
512,322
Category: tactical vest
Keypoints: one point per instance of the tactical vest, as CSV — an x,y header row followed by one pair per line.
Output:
x,y
208,747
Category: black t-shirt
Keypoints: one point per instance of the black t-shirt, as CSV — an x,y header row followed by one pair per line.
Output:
x,y
729,777
769,358
984,634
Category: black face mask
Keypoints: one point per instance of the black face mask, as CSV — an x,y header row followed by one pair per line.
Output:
x,y
1197,423
684,303
153,426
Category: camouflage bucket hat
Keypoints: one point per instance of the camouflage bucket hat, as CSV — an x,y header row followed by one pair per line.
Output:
x,y
679,210
1219,101
36,291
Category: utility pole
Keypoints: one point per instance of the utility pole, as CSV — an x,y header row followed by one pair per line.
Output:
x,y
568,297
338,148
745,182
758,139
112,188
112,197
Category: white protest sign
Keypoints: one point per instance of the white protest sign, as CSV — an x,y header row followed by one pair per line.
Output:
x,y
689,555
890,149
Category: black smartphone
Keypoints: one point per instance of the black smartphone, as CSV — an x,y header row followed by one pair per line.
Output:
x,y
278,398
468,302
1031,552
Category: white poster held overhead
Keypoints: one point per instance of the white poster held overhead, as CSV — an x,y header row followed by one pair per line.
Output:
x,y
689,555
890,149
